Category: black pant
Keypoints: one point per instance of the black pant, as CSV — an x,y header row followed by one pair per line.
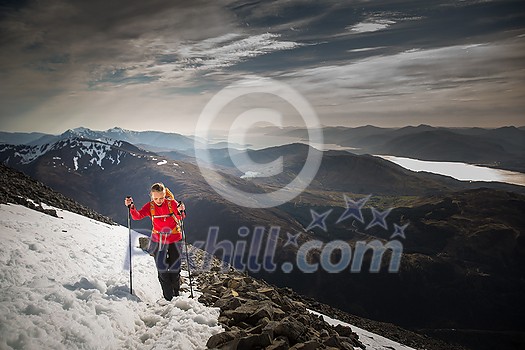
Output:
x,y
167,260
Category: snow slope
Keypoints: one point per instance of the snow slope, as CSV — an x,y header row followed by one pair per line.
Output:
x,y
64,284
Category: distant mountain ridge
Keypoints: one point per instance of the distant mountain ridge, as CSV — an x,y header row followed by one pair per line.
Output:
x,y
156,139
500,147
20,138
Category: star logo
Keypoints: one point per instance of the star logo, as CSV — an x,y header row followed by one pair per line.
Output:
x,y
318,220
353,209
399,231
379,218
292,239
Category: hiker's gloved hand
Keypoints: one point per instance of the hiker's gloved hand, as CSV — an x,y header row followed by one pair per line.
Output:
x,y
181,207
128,201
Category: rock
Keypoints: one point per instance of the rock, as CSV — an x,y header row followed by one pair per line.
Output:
x,y
208,299
324,334
255,341
270,328
243,312
228,303
309,345
219,339
226,340
265,290
264,311
279,343
257,329
344,331
291,329
263,321
338,342
234,283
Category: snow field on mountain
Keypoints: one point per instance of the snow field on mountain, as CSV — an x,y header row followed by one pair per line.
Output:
x,y
369,339
64,284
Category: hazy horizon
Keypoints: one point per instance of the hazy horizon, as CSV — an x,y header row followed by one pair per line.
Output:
x,y
225,131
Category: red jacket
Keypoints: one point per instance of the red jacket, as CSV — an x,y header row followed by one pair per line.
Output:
x,y
161,225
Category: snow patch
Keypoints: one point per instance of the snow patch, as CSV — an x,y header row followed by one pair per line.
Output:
x,y
162,162
250,175
369,339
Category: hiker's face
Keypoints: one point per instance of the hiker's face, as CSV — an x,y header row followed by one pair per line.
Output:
x,y
157,197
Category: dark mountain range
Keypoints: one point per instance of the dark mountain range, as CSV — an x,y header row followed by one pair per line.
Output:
x,y
444,145
155,139
501,148
459,268
19,138
342,171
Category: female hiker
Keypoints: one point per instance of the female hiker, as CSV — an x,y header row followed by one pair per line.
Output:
x,y
165,243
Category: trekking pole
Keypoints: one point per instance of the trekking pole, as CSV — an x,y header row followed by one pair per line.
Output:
x,y
187,255
130,265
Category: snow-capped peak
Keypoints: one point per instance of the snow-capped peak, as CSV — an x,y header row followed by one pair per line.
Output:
x,y
75,153
117,130
81,130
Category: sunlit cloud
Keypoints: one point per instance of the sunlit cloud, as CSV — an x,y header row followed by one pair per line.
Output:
x,y
180,62
380,21
374,26
365,49
424,83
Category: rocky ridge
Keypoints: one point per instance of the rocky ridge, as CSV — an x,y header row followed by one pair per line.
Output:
x,y
258,315
16,187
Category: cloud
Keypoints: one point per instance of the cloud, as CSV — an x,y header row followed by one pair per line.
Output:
x,y
104,61
379,21
419,68
365,49
372,26
181,63
131,31
479,81
68,49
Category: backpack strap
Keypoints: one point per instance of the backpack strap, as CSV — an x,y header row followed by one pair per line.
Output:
x,y
170,207
169,194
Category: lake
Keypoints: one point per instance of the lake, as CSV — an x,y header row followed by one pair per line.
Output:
x,y
460,171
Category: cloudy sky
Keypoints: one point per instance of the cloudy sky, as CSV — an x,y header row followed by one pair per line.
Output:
x,y
154,65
